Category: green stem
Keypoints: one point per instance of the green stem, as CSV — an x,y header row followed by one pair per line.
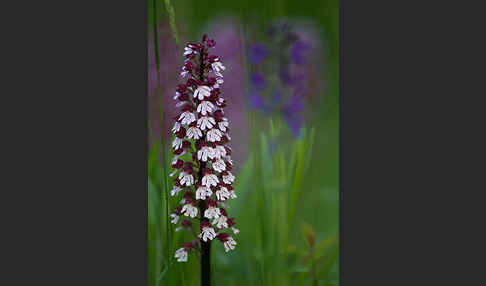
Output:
x,y
314,271
205,245
162,141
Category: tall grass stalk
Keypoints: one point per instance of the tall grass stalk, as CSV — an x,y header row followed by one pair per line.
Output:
x,y
173,27
163,178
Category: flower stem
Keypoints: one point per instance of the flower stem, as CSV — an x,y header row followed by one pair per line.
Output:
x,y
205,245
206,263
162,132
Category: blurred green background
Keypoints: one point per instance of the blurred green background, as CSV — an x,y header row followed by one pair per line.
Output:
x,y
287,207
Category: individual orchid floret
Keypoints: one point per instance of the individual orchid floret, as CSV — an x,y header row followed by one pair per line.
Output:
x,y
212,211
177,143
185,176
222,193
203,192
228,242
214,135
175,190
220,151
228,178
215,82
190,209
218,67
231,224
187,69
185,224
189,50
205,107
181,255
187,117
223,124
193,132
221,221
219,165
204,153
206,122
207,231
176,127
202,92
210,179
175,216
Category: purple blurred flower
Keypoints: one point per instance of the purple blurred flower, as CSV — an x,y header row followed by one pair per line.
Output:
x,y
257,80
277,97
298,52
257,101
292,113
295,123
285,77
257,53
295,105
288,50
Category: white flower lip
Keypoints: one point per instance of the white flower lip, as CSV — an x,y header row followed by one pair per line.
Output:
x,y
220,151
202,91
229,244
207,233
222,194
214,135
205,107
187,117
218,68
189,210
194,133
203,192
184,73
175,218
186,179
188,50
212,212
177,143
181,255
228,179
210,180
205,153
222,125
175,191
206,122
176,128
219,165
221,222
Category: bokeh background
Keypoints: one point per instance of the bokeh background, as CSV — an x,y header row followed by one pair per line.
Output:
x,y
281,86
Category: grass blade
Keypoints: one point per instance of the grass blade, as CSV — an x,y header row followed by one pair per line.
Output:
x,y
163,164
164,271
173,27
